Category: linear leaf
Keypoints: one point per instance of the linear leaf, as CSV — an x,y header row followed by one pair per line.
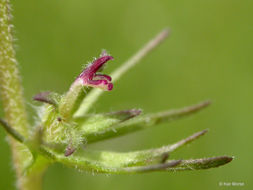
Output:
x,y
138,158
138,123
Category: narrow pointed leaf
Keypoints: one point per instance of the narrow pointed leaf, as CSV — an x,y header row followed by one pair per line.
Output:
x,y
48,97
138,158
180,165
95,166
150,168
138,123
202,163
98,123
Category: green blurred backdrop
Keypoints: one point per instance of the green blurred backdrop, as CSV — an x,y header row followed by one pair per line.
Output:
x,y
208,56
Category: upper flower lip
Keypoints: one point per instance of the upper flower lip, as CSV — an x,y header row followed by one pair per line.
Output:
x,y
89,77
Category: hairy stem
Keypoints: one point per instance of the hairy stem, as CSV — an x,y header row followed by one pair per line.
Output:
x,y
71,100
13,101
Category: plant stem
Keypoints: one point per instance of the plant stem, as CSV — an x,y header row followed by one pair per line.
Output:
x,y
71,100
13,101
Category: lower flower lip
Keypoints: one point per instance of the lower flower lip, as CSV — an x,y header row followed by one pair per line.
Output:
x,y
110,86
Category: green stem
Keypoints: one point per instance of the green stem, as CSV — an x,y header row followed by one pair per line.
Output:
x,y
70,102
13,101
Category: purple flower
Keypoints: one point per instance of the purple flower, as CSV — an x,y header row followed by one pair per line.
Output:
x,y
89,77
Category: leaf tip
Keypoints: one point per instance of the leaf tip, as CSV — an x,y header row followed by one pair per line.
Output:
x,y
227,159
45,97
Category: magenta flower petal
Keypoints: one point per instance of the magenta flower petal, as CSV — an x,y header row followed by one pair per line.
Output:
x,y
89,77
102,77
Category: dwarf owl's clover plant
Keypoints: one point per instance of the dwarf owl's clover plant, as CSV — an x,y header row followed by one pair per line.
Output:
x,y
64,125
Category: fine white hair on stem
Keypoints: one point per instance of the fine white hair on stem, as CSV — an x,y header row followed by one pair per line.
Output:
x,y
132,61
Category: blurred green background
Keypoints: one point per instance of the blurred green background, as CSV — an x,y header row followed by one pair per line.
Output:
x,y
208,56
